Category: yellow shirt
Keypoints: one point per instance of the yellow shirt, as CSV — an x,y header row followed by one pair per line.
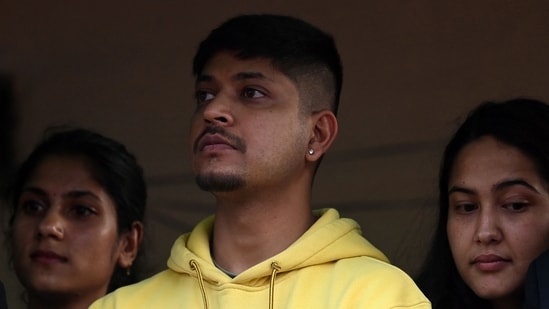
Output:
x,y
330,266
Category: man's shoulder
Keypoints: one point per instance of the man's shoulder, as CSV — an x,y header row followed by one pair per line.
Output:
x,y
365,268
162,286
363,282
370,277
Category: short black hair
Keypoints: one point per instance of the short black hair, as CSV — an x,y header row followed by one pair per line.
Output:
x,y
296,48
521,123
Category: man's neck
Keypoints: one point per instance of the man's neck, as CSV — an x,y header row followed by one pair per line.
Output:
x,y
247,233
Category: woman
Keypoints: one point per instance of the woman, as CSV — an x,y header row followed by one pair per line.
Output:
x,y
494,207
78,204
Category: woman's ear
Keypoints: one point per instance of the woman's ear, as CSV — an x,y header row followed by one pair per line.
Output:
x,y
323,135
129,245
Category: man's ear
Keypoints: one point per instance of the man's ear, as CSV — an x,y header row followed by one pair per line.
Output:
x,y
323,134
129,245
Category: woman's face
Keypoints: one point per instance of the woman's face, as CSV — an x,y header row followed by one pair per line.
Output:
x,y
65,239
498,218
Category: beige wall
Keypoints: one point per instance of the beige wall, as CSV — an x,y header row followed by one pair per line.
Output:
x,y
411,69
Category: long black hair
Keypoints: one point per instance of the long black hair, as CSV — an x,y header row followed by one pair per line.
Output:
x,y
115,169
521,123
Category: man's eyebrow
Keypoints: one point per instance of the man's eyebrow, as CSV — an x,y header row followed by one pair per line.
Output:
x,y
249,75
237,77
203,78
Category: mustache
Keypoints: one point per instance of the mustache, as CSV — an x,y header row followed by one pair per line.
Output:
x,y
234,140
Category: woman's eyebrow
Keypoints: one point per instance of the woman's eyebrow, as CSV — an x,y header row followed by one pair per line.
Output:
x,y
513,182
81,193
455,189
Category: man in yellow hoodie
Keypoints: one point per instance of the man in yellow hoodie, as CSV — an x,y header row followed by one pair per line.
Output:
x,y
267,91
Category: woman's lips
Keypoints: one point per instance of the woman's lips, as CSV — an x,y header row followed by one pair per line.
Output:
x,y
490,262
47,257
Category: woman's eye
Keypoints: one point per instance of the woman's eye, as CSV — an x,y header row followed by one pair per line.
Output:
x,y
82,211
465,207
519,206
203,96
32,207
469,207
252,93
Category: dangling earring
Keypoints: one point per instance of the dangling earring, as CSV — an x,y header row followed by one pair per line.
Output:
x,y
129,270
311,151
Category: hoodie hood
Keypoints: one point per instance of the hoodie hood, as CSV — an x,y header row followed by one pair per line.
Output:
x,y
329,239
329,266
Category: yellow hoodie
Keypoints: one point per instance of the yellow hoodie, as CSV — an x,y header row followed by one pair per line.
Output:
x,y
330,266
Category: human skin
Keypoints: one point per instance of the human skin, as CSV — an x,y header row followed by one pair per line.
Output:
x,y
263,136
498,220
250,140
65,236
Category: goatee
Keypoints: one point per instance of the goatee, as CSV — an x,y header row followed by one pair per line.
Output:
x,y
219,183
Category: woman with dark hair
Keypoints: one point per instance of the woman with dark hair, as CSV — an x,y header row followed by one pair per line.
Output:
x,y
78,204
493,207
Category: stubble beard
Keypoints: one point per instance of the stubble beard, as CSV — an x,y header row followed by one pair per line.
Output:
x,y
219,183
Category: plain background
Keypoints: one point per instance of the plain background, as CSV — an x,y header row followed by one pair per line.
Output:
x,y
412,69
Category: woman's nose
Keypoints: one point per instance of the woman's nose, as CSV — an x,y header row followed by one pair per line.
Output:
x,y
51,225
488,229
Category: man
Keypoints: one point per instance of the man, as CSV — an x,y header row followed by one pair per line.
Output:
x,y
267,91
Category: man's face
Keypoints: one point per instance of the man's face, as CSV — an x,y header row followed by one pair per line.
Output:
x,y
247,131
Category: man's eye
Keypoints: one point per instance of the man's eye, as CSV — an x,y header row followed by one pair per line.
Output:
x,y
203,96
252,93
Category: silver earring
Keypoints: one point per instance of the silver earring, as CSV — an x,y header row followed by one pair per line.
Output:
x,y
311,151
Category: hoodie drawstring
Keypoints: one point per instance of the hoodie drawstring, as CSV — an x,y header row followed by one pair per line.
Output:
x,y
194,266
276,269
